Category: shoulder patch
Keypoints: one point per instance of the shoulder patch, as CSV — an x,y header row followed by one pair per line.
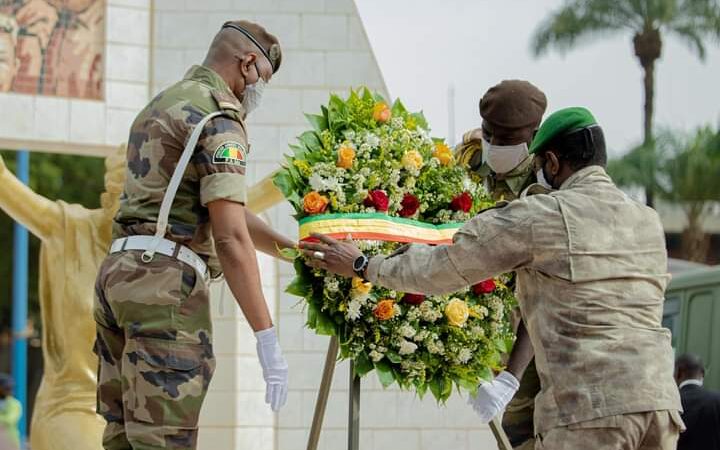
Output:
x,y
232,153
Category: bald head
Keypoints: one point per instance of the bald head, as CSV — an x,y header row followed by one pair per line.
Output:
x,y
689,367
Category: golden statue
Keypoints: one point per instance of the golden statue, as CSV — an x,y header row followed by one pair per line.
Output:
x,y
75,241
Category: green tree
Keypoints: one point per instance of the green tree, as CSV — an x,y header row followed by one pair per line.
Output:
x,y
692,178
684,171
74,179
692,21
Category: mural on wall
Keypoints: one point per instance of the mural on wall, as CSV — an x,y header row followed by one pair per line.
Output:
x,y
52,47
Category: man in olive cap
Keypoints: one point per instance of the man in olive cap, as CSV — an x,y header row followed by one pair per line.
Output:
x,y
591,274
498,151
176,227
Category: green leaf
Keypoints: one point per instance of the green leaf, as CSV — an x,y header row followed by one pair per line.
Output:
x,y
288,253
367,96
284,182
362,364
318,122
398,109
299,286
385,373
325,325
311,140
468,385
393,357
420,120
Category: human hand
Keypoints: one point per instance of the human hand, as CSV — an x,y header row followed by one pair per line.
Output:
x,y
275,368
39,19
332,255
493,397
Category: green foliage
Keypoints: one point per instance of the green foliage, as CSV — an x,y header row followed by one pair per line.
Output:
x,y
577,21
74,179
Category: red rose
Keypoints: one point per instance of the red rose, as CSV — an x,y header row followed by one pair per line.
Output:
x,y
377,199
484,287
413,299
462,202
409,204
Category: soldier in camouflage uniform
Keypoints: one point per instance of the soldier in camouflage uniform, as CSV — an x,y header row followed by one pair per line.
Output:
x,y
498,154
591,269
154,336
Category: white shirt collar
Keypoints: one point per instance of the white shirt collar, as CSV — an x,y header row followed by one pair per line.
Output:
x,y
689,382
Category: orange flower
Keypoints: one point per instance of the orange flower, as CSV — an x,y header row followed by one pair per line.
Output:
x,y
381,112
443,153
346,156
385,310
315,203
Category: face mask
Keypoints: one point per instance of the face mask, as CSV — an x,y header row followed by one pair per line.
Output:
x,y
253,95
540,174
504,158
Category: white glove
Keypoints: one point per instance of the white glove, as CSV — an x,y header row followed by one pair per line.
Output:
x,y
275,368
493,397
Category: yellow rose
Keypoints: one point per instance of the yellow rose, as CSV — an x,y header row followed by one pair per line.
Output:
x,y
457,312
381,112
346,156
360,286
385,310
443,153
315,203
412,160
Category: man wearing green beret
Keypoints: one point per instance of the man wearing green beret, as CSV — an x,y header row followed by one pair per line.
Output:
x,y
498,154
591,269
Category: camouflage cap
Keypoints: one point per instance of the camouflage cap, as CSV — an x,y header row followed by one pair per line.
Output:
x,y
267,43
513,104
561,122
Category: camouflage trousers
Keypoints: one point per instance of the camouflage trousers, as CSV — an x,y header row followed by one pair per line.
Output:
x,y
155,351
655,430
518,418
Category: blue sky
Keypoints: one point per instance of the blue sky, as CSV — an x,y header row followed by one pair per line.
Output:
x,y
424,45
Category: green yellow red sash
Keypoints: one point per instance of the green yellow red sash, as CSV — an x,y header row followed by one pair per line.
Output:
x,y
377,227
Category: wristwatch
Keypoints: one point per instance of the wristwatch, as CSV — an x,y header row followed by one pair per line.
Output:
x,y
359,266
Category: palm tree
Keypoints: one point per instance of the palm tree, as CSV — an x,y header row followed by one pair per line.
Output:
x,y
691,181
576,21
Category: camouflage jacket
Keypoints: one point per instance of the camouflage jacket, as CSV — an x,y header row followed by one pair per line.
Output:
x,y
500,186
591,274
216,170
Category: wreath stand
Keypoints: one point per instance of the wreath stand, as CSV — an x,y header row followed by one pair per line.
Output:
x,y
354,406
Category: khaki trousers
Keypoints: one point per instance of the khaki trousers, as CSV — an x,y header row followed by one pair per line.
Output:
x,y
655,430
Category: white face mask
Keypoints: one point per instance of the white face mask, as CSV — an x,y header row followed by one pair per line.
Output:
x,y
504,158
541,179
252,96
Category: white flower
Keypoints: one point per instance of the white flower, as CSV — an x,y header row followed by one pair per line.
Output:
x,y
478,331
436,347
407,331
353,310
407,347
332,284
376,356
372,140
464,355
421,336
396,122
317,183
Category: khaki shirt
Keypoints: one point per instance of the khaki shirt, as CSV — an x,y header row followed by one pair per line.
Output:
x,y
507,186
216,170
591,275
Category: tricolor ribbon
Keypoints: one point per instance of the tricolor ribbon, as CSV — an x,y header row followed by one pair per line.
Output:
x,y
377,227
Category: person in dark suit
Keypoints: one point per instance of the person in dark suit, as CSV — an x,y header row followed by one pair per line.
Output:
x,y
701,406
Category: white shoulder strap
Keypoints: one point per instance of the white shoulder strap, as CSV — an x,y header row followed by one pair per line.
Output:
x,y
162,221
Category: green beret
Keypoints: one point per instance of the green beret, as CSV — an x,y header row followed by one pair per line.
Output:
x,y
561,122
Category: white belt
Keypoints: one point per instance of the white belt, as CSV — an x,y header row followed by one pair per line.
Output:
x,y
165,247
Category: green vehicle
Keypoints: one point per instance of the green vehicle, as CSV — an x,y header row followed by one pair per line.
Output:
x,y
692,308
